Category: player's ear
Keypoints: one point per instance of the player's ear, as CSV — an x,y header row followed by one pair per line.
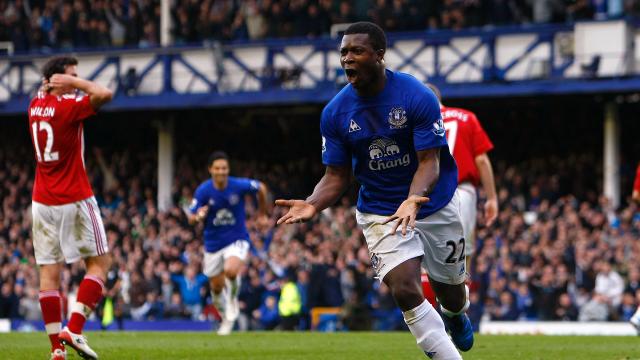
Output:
x,y
380,55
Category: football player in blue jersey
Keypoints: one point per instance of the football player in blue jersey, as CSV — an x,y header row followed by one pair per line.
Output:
x,y
386,128
219,202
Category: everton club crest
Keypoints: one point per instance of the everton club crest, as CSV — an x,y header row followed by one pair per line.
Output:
x,y
397,118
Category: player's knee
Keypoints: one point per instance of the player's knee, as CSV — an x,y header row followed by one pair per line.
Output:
x,y
231,275
231,271
99,265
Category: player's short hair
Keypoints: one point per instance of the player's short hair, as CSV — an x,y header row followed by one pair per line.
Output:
x,y
57,65
435,91
377,38
217,155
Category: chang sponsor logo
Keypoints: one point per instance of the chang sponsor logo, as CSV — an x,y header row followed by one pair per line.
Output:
x,y
224,217
385,154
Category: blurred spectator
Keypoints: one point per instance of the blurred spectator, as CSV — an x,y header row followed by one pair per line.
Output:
x,y
596,309
267,314
29,307
627,307
609,284
289,305
505,309
9,302
190,285
566,310
250,298
38,25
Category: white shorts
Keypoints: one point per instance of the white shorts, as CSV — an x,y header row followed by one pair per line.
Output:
x,y
437,238
67,232
469,214
214,262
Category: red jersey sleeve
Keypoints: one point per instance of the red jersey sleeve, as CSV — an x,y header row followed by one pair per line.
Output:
x,y
481,143
77,107
636,184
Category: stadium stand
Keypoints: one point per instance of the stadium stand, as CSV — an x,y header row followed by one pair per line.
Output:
x,y
552,254
36,25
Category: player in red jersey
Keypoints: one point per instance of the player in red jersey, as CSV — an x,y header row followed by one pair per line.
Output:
x,y
469,145
66,218
635,196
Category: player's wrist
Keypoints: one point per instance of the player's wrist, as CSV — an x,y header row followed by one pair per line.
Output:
x,y
312,202
414,198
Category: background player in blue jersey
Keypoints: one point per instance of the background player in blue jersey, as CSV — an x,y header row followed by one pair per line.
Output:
x,y
219,202
386,127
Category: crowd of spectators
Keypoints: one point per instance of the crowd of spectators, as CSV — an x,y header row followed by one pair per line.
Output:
x,y
550,256
66,24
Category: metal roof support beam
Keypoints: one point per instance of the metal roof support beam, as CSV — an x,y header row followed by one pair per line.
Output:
x,y
612,154
166,145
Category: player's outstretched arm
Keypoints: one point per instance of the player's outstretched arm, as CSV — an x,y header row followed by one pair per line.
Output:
x,y
489,185
328,190
424,180
98,94
263,192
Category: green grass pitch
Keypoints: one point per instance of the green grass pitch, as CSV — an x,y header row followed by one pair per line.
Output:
x,y
316,346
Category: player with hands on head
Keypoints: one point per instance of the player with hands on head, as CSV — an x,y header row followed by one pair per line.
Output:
x,y
66,220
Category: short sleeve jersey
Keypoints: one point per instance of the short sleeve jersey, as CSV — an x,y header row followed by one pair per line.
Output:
x,y
379,138
56,128
225,220
466,140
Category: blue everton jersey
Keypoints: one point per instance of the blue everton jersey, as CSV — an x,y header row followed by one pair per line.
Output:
x,y
379,137
225,221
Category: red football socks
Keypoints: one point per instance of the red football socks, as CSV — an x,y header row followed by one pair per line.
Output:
x,y
89,293
50,303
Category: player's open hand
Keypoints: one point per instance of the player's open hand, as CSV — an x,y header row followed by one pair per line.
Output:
x,y
490,211
406,213
299,211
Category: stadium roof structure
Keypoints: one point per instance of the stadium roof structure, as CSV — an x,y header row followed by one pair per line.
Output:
x,y
584,58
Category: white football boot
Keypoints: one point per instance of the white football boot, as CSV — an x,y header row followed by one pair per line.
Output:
x,y
79,343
